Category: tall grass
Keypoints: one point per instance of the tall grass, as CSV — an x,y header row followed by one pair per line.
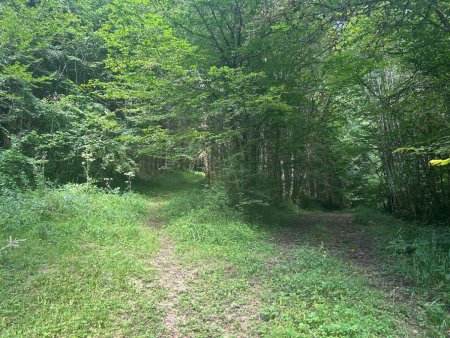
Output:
x,y
72,276
425,249
419,252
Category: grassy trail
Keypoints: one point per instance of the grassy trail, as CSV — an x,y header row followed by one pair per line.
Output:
x,y
173,262
289,282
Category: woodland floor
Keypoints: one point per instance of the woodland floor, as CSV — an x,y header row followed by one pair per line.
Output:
x,y
151,265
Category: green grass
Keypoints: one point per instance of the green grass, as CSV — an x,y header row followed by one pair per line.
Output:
x,y
317,295
300,292
419,251
73,274
89,267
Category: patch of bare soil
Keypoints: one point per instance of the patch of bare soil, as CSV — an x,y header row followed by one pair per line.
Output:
x,y
177,280
336,232
339,235
174,279
242,317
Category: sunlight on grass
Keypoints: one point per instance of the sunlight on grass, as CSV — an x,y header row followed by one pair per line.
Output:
x,y
89,267
73,274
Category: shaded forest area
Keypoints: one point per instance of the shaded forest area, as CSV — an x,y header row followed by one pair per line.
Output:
x,y
319,103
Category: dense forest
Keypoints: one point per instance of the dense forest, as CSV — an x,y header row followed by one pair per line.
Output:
x,y
316,102
282,106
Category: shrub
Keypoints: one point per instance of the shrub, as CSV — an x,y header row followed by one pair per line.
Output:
x,y
17,172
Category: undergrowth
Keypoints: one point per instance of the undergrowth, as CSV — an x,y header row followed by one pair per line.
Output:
x,y
425,249
420,252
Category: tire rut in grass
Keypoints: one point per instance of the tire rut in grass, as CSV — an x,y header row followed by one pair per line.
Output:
x,y
174,280
336,233
186,288
339,235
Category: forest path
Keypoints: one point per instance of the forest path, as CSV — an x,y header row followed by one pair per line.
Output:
x,y
173,279
190,285
187,290
335,232
339,235
223,277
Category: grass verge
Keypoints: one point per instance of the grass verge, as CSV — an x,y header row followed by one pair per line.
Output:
x,y
75,273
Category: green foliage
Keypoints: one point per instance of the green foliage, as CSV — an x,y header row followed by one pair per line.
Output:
x,y
378,74
17,172
205,215
23,211
428,251
440,163
422,250
304,301
96,89
367,216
